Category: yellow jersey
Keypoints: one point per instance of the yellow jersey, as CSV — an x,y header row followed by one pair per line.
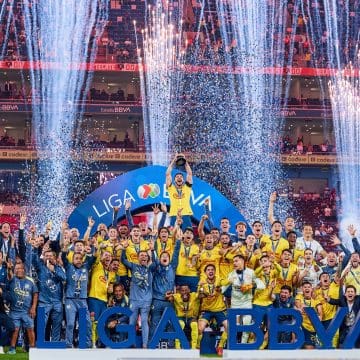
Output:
x,y
209,257
263,297
307,324
167,246
100,279
332,292
186,265
251,256
180,199
353,278
284,276
275,247
187,309
211,298
226,264
133,250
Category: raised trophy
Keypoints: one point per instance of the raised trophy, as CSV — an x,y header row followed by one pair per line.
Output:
x,y
180,160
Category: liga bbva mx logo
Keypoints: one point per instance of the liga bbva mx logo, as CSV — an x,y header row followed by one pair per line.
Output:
x,y
148,190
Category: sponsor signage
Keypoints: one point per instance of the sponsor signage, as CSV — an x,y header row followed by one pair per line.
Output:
x,y
134,67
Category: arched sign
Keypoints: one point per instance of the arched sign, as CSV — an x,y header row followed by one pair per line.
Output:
x,y
145,187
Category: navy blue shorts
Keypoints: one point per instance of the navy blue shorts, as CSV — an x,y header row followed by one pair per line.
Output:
x,y
219,316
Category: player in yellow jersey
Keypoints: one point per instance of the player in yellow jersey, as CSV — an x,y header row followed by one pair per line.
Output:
x,y
287,272
274,244
101,278
135,245
322,292
164,243
257,230
186,271
186,305
225,263
351,274
303,301
250,253
110,243
212,305
208,255
296,253
179,193
78,246
263,298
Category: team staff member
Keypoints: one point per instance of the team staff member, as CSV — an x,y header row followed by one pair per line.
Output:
x,y
77,280
141,291
51,277
118,299
163,283
23,301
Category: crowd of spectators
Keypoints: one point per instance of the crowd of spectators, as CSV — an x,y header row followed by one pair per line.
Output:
x,y
198,272
302,45
289,146
14,90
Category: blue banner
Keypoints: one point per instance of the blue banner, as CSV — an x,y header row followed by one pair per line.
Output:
x,y
145,187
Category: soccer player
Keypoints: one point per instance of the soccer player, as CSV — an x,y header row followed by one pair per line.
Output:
x,y
301,302
275,243
209,255
307,242
324,291
212,305
311,271
101,278
179,194
186,272
284,300
287,272
135,245
243,281
186,305
351,274
163,242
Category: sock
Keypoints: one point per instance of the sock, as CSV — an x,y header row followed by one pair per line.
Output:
x,y
223,339
194,334
199,341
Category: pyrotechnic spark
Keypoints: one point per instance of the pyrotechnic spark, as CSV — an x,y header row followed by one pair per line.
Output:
x,y
159,60
235,117
64,32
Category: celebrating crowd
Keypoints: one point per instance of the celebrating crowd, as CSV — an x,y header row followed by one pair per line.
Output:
x,y
199,273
